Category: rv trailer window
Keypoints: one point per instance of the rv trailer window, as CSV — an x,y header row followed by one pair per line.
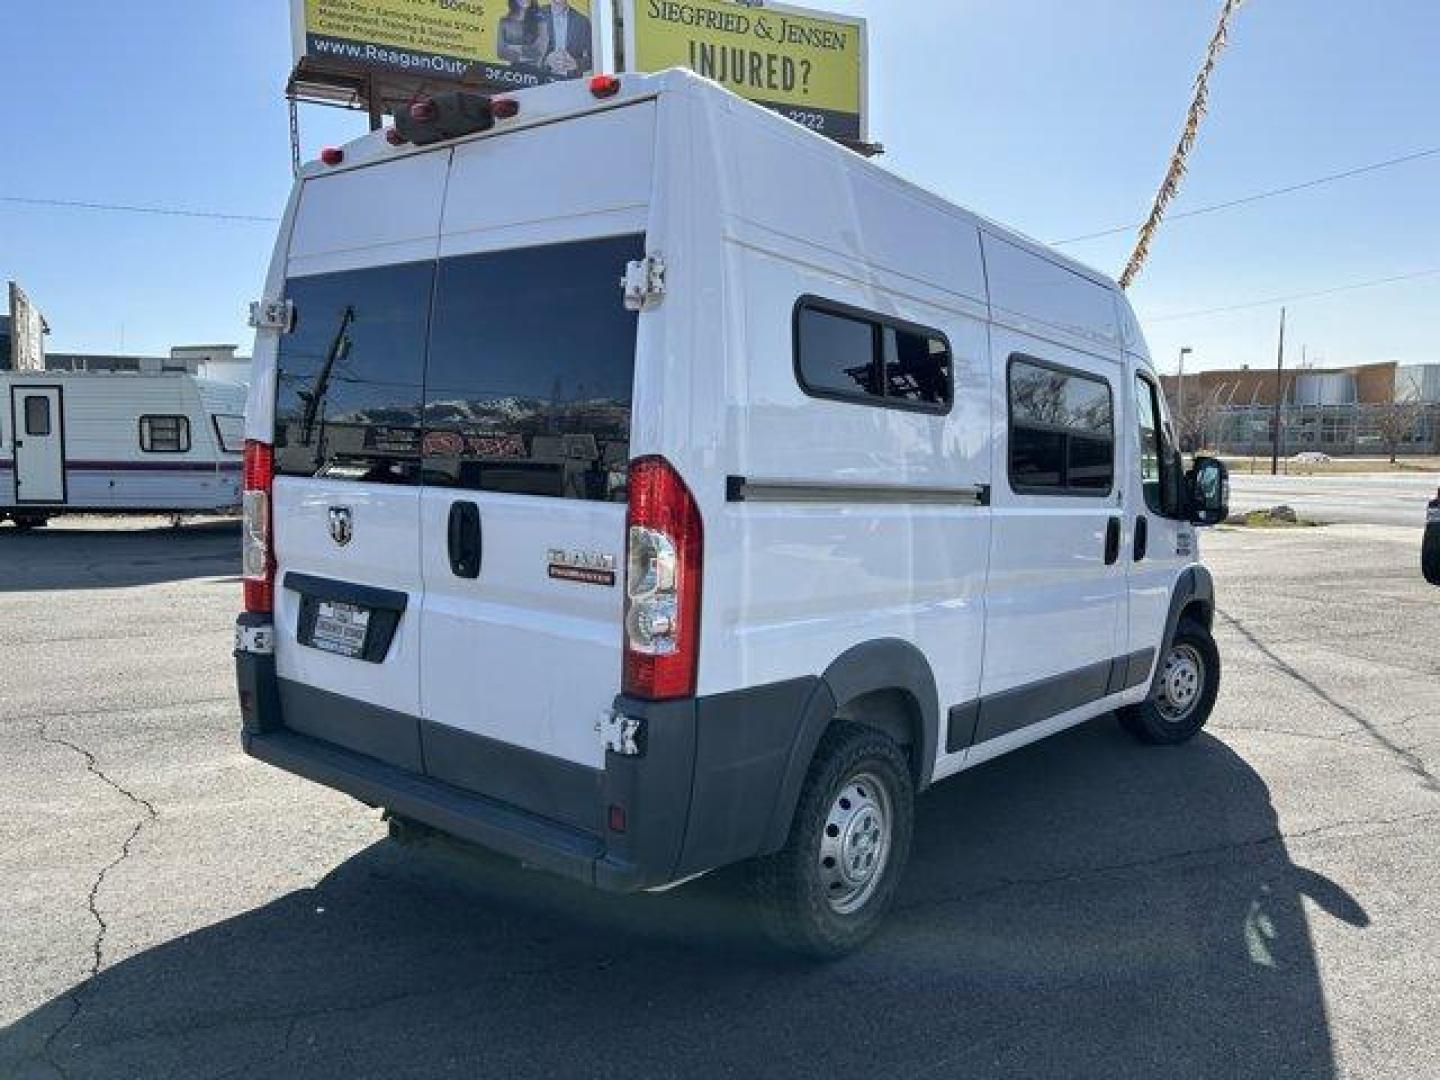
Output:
x,y
1062,430
851,355
164,434
229,432
37,416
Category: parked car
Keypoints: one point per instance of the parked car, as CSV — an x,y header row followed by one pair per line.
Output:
x,y
840,491
1430,547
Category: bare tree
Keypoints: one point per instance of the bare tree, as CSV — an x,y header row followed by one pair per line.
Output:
x,y
1197,420
1194,423
1396,421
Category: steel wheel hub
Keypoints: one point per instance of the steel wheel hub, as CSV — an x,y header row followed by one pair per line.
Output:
x,y
1181,681
855,843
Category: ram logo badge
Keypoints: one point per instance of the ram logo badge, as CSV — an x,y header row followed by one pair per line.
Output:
x,y
342,524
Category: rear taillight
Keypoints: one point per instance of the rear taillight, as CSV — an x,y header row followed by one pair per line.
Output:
x,y
257,559
663,567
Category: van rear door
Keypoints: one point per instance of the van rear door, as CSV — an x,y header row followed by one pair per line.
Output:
x,y
349,386
527,444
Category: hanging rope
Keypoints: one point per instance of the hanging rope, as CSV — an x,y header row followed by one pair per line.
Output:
x,y
1171,184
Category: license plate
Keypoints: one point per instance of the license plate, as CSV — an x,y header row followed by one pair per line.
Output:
x,y
340,628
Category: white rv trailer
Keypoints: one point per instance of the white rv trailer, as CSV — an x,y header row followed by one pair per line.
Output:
x,y
75,442
846,490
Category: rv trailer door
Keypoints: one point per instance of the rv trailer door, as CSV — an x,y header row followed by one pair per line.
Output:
x,y
37,419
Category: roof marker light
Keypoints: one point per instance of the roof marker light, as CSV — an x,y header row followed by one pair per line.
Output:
x,y
604,86
332,155
504,108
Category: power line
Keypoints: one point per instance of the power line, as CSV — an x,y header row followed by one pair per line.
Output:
x,y
1295,296
165,211
1260,195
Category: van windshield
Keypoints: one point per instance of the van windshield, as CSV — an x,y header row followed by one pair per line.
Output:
x,y
506,371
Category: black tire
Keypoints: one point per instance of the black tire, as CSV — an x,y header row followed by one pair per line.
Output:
x,y
27,522
1181,702
805,908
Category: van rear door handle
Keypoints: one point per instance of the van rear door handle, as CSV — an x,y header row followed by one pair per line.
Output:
x,y
466,545
1142,537
1112,542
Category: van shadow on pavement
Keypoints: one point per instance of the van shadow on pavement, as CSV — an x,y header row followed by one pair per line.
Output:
x,y
1084,908
104,553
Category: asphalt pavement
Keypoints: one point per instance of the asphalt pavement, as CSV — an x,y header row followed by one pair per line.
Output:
x,y
1260,903
1362,498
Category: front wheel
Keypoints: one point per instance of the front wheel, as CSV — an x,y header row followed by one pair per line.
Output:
x,y
826,892
1184,692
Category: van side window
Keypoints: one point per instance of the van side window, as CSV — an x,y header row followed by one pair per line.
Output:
x,y
1148,411
850,355
348,385
164,434
1062,430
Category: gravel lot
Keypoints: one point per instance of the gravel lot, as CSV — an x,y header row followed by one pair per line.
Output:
x,y
1261,903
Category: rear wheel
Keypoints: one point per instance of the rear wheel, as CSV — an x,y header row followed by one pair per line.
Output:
x,y
1184,692
826,892
29,521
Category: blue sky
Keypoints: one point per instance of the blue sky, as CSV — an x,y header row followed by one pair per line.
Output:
x,y
1053,116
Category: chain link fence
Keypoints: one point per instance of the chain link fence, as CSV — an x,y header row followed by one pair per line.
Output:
x,y
1337,430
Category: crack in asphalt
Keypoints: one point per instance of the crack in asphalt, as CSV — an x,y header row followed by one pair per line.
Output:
x,y
111,710
1082,872
269,1059
92,900
1408,758
292,1019
1345,738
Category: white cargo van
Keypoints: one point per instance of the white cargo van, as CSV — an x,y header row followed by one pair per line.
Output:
x,y
111,443
640,484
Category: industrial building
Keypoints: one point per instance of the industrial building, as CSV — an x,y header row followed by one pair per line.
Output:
x,y
1367,409
218,362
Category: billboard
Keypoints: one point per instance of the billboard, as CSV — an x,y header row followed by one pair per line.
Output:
x,y
401,44
808,65
27,333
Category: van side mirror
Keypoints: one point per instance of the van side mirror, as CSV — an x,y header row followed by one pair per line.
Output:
x,y
1430,551
1208,490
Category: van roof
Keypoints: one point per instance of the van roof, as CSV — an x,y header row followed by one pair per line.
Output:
x,y
563,100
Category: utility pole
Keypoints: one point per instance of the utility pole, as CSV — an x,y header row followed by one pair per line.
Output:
x,y
1180,395
1279,398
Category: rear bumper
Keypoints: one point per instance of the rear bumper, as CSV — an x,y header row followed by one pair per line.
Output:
x,y
469,817
704,792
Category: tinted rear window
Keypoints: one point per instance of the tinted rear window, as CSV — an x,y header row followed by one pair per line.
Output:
x,y
508,371
532,372
350,381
